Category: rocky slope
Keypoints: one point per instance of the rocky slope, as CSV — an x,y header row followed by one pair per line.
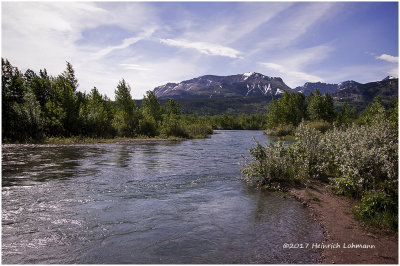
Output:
x,y
210,86
323,88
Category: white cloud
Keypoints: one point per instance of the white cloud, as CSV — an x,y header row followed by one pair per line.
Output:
x,y
297,22
135,67
204,47
292,77
45,35
125,43
388,58
231,25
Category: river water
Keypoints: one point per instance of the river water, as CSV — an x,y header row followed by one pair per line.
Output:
x,y
173,202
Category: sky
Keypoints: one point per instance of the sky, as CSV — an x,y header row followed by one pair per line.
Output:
x,y
152,43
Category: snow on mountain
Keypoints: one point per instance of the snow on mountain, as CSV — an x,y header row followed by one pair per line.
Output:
x,y
323,88
247,84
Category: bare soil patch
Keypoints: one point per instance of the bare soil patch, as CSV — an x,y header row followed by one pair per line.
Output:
x,y
335,216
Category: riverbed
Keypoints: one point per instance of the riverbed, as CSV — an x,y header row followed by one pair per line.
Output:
x,y
170,202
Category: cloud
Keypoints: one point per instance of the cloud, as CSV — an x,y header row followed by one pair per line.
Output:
x,y
204,47
297,22
125,43
134,67
388,58
291,76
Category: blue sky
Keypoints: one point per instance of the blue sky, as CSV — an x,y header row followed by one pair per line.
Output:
x,y
149,44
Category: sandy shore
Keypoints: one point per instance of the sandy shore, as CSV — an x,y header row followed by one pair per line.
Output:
x,y
351,242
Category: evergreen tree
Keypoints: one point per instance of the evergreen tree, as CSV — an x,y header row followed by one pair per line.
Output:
x,y
69,76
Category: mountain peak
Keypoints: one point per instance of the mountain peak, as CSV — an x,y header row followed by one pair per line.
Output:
x,y
246,84
323,88
389,77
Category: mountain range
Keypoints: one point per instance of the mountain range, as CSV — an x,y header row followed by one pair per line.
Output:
x,y
323,88
251,92
210,86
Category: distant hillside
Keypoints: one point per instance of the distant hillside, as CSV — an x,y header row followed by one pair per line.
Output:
x,y
323,88
209,86
251,93
362,94
217,106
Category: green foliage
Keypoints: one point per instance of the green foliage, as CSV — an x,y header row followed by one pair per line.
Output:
x,y
151,106
321,125
281,130
96,115
148,126
287,112
172,126
345,186
358,159
126,119
379,209
371,111
270,166
237,122
346,115
289,109
199,130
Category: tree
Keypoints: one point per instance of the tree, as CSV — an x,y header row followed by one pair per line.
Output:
x,y
346,115
94,115
172,107
126,118
151,106
320,107
289,109
13,92
315,106
69,76
40,85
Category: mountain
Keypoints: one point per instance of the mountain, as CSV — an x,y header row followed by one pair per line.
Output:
x,y
210,86
323,88
361,94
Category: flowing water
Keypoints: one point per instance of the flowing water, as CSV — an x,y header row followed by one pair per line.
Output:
x,y
174,202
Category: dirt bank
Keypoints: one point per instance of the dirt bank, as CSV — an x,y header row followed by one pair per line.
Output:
x,y
335,216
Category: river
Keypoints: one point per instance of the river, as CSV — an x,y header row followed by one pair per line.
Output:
x,y
173,202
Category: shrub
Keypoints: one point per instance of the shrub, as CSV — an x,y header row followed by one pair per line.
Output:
x,y
270,166
321,126
174,127
199,130
379,209
281,130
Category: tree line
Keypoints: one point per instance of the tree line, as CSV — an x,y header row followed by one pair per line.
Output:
x,y
38,106
287,112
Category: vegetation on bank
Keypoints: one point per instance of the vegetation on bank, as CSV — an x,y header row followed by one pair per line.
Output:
x,y
39,107
359,158
287,112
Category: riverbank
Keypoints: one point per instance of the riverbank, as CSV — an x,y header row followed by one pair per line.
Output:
x,y
80,140
335,216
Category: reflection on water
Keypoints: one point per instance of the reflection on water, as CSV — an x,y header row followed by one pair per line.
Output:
x,y
149,203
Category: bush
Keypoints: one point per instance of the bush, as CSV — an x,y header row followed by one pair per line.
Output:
x,y
321,126
173,127
199,130
270,166
357,158
379,209
281,130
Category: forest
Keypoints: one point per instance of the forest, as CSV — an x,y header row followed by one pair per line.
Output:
x,y
38,107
